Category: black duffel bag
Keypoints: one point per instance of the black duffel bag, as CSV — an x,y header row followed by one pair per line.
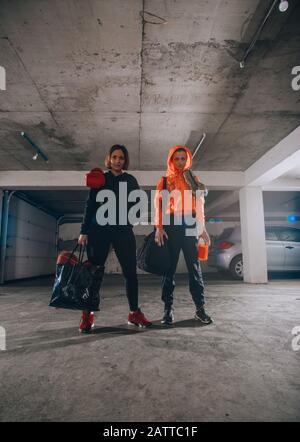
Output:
x,y
72,281
153,258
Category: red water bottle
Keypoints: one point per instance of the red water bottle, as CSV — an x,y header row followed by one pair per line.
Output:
x,y
203,251
95,178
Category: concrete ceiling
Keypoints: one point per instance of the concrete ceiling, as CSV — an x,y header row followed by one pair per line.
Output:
x,y
83,75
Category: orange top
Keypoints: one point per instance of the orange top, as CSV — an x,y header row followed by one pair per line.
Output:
x,y
178,203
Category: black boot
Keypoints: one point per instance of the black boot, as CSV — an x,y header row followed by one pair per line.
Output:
x,y
202,316
168,318
94,289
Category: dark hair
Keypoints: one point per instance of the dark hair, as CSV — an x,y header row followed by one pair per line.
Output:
x,y
180,149
111,151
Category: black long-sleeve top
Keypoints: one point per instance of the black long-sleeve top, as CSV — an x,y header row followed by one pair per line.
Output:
x,y
111,183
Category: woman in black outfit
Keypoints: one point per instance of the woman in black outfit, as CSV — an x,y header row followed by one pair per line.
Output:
x,y
180,161
99,238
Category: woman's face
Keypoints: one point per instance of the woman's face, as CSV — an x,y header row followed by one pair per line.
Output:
x,y
180,159
117,160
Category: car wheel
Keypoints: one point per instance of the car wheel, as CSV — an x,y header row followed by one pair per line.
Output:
x,y
236,267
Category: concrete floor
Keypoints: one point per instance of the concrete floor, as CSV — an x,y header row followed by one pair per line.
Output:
x,y
241,368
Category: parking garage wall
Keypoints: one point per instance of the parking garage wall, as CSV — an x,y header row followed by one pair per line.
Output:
x,y
30,243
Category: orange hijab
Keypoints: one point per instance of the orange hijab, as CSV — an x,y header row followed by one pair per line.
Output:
x,y
176,180
171,170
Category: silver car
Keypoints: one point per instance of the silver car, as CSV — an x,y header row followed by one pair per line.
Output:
x,y
283,250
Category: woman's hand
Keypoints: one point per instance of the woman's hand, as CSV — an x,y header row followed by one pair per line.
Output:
x,y
83,240
205,236
159,236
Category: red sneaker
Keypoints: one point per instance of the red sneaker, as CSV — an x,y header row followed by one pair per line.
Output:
x,y
139,319
87,322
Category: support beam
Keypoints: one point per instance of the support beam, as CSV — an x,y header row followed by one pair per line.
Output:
x,y
276,162
75,180
253,235
283,185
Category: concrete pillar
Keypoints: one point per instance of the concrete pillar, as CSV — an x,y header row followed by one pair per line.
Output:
x,y
253,235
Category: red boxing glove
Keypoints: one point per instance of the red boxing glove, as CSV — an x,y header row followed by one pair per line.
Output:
x,y
95,178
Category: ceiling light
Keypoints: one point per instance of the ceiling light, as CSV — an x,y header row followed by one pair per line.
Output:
x,y
38,151
283,5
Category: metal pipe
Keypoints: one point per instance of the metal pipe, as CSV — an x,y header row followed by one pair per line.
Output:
x,y
199,145
257,34
57,233
63,220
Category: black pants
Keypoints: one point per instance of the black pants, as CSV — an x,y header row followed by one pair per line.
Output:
x,y
188,244
122,239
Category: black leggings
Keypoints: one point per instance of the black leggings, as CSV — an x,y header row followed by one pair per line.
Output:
x,y
188,244
122,239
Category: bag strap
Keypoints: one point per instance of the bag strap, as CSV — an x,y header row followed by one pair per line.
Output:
x,y
79,263
72,253
81,253
164,188
164,183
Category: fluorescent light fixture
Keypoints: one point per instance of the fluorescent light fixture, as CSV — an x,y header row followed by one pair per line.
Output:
x,y
38,151
283,5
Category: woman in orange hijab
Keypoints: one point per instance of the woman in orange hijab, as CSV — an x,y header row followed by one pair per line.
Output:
x,y
182,211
